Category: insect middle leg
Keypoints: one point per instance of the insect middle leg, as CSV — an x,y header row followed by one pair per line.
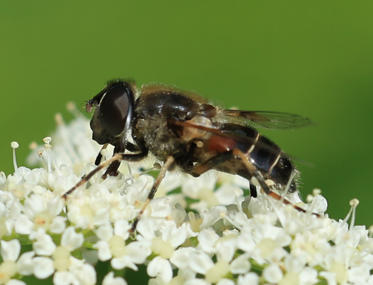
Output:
x,y
168,163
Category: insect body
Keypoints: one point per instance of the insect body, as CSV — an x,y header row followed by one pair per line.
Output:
x,y
184,130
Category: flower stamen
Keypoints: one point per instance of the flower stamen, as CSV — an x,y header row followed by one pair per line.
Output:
x,y
283,195
47,145
14,145
352,212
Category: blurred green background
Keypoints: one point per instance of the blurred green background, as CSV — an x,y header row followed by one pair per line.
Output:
x,y
312,58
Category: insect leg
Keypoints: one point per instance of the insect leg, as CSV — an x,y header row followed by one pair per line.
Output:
x,y
211,163
253,192
133,148
99,155
198,169
255,172
112,170
116,157
168,163
130,146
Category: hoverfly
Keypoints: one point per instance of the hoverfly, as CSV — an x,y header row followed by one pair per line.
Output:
x,y
181,129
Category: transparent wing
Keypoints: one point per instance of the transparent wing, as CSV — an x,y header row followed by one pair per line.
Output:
x,y
236,136
267,119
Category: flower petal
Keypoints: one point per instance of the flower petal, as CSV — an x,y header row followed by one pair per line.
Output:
x,y
44,244
272,273
111,280
160,267
43,267
25,263
58,225
23,225
10,249
104,252
64,278
71,239
241,264
250,278
15,282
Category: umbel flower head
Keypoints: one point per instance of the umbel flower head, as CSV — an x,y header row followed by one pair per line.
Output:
x,y
204,230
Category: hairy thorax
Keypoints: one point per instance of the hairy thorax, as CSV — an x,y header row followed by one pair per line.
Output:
x,y
157,137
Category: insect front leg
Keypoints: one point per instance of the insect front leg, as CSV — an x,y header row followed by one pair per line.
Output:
x,y
168,163
119,148
112,170
117,157
99,155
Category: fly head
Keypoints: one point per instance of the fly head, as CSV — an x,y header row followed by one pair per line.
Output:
x,y
113,112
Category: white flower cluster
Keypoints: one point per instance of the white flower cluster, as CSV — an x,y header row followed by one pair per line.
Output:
x,y
202,230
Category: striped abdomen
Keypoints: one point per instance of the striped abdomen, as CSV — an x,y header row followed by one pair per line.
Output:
x,y
264,154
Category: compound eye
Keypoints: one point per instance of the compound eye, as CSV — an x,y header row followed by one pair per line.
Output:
x,y
114,108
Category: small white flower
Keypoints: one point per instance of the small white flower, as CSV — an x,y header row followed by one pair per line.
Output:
x,y
112,246
296,272
191,259
132,254
87,211
78,272
112,241
84,272
164,237
42,208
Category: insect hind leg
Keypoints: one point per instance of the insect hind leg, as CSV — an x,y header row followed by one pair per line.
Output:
x,y
256,173
211,163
